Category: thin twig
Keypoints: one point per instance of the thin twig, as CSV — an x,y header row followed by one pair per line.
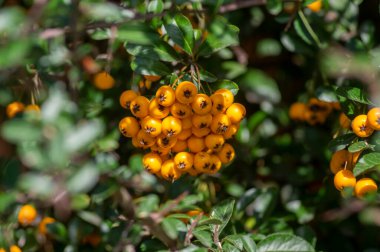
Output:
x,y
309,29
173,204
240,5
216,238
189,233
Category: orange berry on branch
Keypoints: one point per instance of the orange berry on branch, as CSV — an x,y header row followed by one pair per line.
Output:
x,y
152,78
126,97
196,144
144,139
185,134
340,160
373,117
152,162
180,110
129,126
103,81
169,171
236,112
364,186
165,96
184,161
344,121
231,132
220,124
171,126
343,179
140,106
216,164
214,142
218,104
42,227
226,154
33,107
201,104
360,126
151,126
202,162
315,6
179,146
200,132
185,92
14,108
227,95
158,111
27,215
201,121
166,142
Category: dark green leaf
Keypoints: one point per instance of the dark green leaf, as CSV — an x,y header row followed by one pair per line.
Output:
x,y
359,146
366,163
223,211
301,30
284,243
156,6
180,30
138,33
90,217
353,93
230,85
341,142
274,6
204,237
172,226
146,66
18,130
209,221
80,201
161,51
58,231
248,197
207,76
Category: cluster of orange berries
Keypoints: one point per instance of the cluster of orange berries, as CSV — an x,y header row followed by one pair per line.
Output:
x,y
341,164
364,125
314,112
16,107
186,131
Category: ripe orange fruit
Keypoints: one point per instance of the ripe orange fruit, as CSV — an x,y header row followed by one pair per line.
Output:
x,y
166,142
180,110
144,139
202,162
339,161
344,178
236,112
373,117
92,239
14,108
27,215
214,142
165,96
216,164
129,126
200,132
152,78
32,107
364,186
187,123
180,146
126,97
226,154
185,92
315,6
171,126
201,121
185,134
42,228
195,144
151,125
152,162
220,124
218,105
228,96
103,81
232,130
201,104
140,106
158,111
361,127
344,121
184,161
297,111
14,248
158,150
169,171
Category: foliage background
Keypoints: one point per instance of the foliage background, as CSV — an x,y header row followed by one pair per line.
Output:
x,y
72,164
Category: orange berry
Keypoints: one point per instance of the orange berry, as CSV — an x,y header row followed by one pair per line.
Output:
x,y
179,146
201,104
200,132
158,150
129,126
14,108
180,110
315,6
202,162
216,164
171,126
340,160
126,97
185,134
187,123
361,127
364,186
232,130
214,142
226,154
151,125
218,105
193,172
169,171
373,117
32,107
27,215
236,112
42,227
201,121
158,111
165,96
152,78
144,139
103,81
220,124
196,144
14,248
166,142
152,162
228,96
184,161
140,106
344,121
185,92
344,178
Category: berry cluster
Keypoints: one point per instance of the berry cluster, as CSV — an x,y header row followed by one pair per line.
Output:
x,y
314,112
365,125
184,130
16,107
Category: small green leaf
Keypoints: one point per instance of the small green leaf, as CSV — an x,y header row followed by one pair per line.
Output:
x,y
204,237
274,7
90,217
207,76
161,51
359,146
223,211
80,201
302,31
341,142
58,231
284,243
353,93
230,85
180,30
18,130
366,163
172,227
137,33
209,221
84,179
156,6
146,66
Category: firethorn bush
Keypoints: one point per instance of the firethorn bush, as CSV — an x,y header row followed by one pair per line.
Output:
x,y
164,125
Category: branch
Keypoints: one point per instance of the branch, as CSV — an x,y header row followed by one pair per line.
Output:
x,y
189,233
240,5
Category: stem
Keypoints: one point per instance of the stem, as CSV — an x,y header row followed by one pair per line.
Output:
x,y
309,29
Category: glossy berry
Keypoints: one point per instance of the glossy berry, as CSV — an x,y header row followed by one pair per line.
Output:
x,y
202,162
152,126
297,111
165,96
166,142
140,106
214,142
340,160
218,104
158,111
33,107
187,123
196,144
315,6
226,154
144,139
231,132
126,97
152,78
201,121
14,248
179,146
220,123
169,171
27,215
201,104
103,81
184,161
200,132
361,127
129,126
152,162
158,150
42,227
185,134
236,112
14,108
171,126
373,117
227,95
185,92
216,164
344,121
180,110
364,186
343,179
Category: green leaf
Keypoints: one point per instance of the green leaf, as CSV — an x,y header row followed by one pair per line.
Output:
x,y
146,205
91,218
146,66
302,31
241,242
80,201
233,69
84,179
207,76
83,135
6,199
359,146
223,211
58,231
341,142
354,94
264,203
284,243
230,85
161,51
221,35
274,7
180,30
209,221
248,197
204,237
155,6
366,163
18,130
15,53
137,33
172,227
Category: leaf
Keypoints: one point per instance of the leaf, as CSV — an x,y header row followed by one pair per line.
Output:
x,y
354,94
15,53
264,204
209,221
138,33
204,237
180,30
248,197
341,142
223,211
284,243
242,242
172,227
83,135
207,76
84,179
161,51
274,7
221,34
146,66
359,146
302,31
18,130
58,231
80,201
367,162
90,217
230,85
156,6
